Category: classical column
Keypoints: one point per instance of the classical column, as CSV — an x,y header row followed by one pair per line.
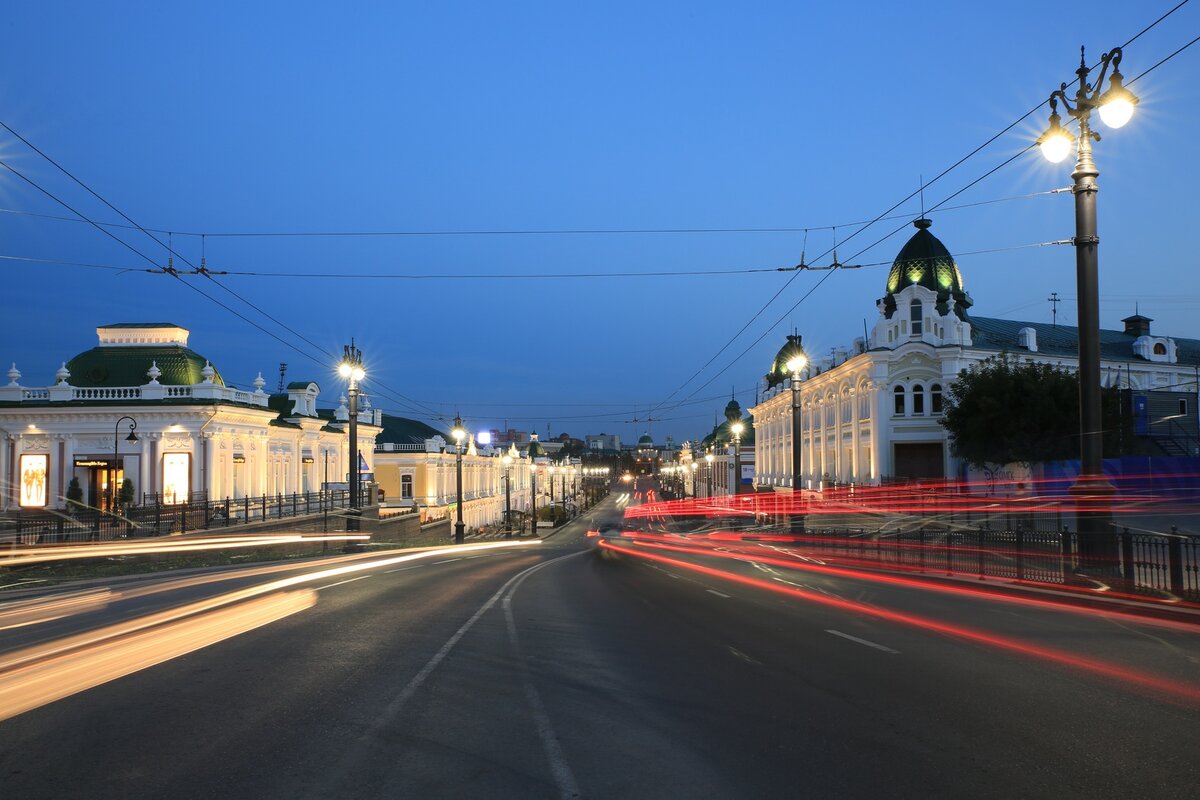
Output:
x,y
210,485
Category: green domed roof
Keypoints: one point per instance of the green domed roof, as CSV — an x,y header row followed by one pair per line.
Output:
x,y
925,261
779,371
536,449
733,410
127,366
645,440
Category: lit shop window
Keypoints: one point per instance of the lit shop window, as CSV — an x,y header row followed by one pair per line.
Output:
x,y
177,474
34,470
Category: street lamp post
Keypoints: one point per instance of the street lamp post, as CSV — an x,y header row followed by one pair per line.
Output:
x,y
459,433
1115,106
132,437
736,429
507,496
533,499
709,458
695,475
352,370
797,363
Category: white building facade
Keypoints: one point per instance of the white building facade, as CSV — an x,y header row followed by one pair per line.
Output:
x,y
142,406
872,412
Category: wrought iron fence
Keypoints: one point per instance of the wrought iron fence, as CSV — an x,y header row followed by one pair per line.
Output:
x,y
155,517
1147,562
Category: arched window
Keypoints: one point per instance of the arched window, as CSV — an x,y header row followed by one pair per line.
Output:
x,y
918,399
829,411
847,406
864,402
898,393
914,314
1160,349
935,398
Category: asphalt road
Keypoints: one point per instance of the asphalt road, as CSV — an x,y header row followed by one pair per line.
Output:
x,y
547,671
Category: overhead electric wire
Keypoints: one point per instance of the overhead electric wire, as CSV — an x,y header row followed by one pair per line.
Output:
x,y
864,227
513,232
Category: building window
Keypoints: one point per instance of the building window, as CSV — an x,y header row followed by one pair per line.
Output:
x,y
918,399
898,393
1160,349
914,314
406,487
935,398
1183,407
864,403
847,407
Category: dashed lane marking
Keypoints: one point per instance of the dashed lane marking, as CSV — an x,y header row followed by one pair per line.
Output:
x,y
718,594
339,583
864,641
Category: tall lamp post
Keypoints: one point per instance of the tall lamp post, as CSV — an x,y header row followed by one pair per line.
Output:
x,y
794,365
1116,105
709,458
132,437
459,433
352,370
533,499
507,496
695,475
736,429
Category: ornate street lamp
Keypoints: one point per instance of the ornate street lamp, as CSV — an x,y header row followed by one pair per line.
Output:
x,y
459,433
352,370
507,496
709,458
132,437
1116,105
736,429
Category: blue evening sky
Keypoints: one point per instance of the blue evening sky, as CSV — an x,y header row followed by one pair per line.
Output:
x,y
319,117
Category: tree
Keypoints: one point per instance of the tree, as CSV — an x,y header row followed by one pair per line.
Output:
x,y
74,494
126,496
1003,410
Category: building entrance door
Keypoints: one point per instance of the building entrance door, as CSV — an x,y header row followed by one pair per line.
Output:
x,y
920,460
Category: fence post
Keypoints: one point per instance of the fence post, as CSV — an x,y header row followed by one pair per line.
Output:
x,y
979,554
183,518
1020,554
1066,563
264,505
293,504
1128,571
96,525
157,517
1175,560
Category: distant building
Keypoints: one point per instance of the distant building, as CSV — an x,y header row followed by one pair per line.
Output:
x,y
604,442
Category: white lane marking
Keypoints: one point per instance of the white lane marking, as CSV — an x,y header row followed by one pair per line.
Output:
x,y
718,594
402,569
447,561
395,706
742,655
339,583
863,641
568,787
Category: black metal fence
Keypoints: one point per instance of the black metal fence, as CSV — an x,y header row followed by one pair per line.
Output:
x,y
157,518
1147,562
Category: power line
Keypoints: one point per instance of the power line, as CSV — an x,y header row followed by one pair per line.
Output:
x,y
513,232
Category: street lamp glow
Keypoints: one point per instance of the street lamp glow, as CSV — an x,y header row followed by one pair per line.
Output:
x,y
507,460
1056,143
737,428
796,363
1118,110
484,437
709,457
344,369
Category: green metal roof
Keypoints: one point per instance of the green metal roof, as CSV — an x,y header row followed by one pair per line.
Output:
x,y
400,430
925,261
127,366
779,371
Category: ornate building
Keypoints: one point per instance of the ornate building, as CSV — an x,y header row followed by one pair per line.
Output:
x,y
872,411
180,431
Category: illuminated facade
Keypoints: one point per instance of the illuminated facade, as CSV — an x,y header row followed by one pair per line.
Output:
x,y
421,474
872,412
194,436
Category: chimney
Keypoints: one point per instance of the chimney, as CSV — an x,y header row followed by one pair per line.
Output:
x,y
1137,325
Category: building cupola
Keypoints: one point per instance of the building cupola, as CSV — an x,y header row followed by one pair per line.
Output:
x,y
925,261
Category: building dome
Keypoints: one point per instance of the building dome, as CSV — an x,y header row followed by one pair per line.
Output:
x,y
645,441
733,411
535,448
128,350
779,371
925,261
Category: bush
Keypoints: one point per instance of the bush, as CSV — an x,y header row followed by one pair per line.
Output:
x,y
74,494
126,496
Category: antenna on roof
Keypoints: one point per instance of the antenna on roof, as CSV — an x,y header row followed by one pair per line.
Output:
x,y
282,372
921,178
1054,301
